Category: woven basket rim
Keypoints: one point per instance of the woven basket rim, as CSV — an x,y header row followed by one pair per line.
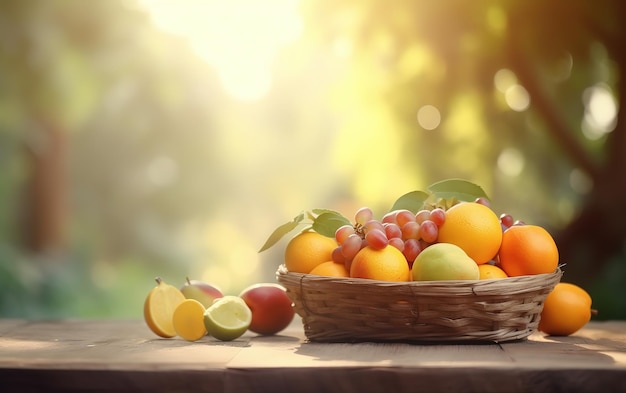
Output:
x,y
338,309
505,283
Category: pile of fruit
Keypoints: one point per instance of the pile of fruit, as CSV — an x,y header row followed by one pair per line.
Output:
x,y
446,233
199,309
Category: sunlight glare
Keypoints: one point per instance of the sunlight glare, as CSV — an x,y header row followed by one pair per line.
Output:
x,y
240,38
600,112
342,47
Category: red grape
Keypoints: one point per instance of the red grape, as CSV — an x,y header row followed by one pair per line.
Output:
x,y
410,230
390,217
351,246
376,239
397,243
392,230
363,215
483,201
337,255
422,215
429,231
438,216
506,220
411,250
373,224
342,233
404,216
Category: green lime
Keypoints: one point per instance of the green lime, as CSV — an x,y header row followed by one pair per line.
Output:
x,y
227,318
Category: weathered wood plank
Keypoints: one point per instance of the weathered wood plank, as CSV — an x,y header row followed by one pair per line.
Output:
x,y
109,355
599,345
109,345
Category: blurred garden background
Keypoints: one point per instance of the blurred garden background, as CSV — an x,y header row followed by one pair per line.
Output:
x,y
144,138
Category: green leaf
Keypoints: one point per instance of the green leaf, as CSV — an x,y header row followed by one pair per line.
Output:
x,y
322,211
327,223
460,189
282,231
412,201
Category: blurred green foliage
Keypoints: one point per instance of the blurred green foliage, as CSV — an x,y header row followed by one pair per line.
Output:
x,y
160,172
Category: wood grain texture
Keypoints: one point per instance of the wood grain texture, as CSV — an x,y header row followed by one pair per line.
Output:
x,y
119,355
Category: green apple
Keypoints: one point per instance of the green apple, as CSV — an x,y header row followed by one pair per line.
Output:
x,y
203,292
444,261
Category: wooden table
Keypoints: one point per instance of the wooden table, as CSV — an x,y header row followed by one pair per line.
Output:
x,y
121,355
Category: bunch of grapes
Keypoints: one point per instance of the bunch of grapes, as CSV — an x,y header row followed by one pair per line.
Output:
x,y
407,231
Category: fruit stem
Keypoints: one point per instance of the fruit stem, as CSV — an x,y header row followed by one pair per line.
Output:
x,y
594,311
158,280
188,281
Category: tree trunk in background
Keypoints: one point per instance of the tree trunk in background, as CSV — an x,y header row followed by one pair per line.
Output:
x,y
597,234
44,202
594,237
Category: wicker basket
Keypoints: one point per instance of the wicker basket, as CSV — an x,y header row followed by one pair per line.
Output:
x,y
352,310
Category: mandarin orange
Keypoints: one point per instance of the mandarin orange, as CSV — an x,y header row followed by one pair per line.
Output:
x,y
475,228
566,309
331,269
308,249
490,272
387,264
528,249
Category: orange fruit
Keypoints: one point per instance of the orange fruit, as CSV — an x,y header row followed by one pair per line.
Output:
x,y
387,264
307,250
490,272
331,269
473,227
188,320
566,309
528,249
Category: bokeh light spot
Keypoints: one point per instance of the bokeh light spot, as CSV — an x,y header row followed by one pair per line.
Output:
x,y
600,112
511,162
428,117
517,98
504,79
580,182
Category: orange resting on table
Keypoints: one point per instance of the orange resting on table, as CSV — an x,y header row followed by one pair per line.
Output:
x,y
566,309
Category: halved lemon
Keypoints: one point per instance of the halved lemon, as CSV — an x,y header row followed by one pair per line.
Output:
x,y
228,318
159,307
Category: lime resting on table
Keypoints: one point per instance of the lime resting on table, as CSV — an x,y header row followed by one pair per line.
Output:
x,y
228,318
